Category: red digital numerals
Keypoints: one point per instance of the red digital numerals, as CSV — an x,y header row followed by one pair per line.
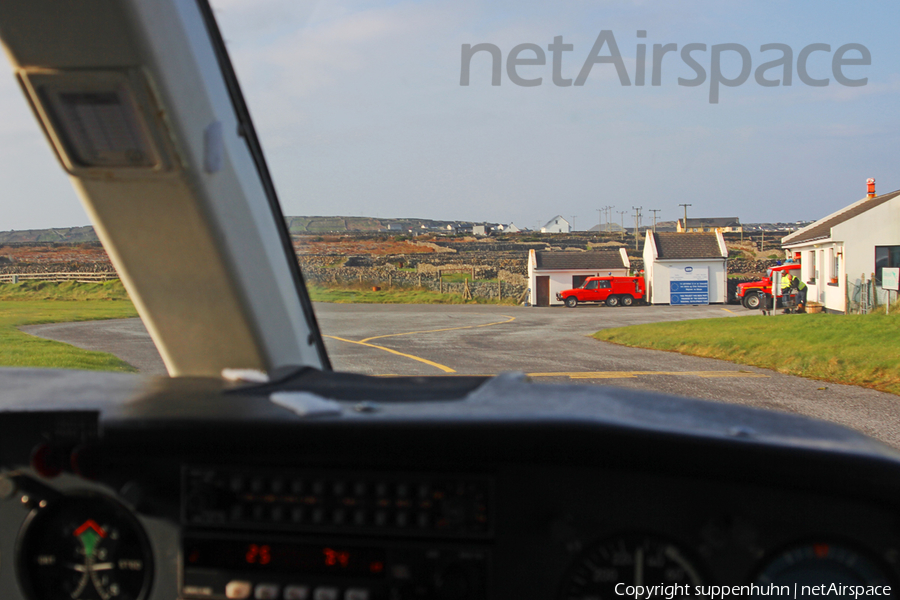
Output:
x,y
258,554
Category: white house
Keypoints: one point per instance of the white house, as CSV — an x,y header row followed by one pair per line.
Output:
x,y
557,225
685,268
852,243
511,228
553,272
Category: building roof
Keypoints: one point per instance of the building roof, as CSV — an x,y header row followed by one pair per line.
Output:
x,y
556,220
594,259
821,229
687,245
713,222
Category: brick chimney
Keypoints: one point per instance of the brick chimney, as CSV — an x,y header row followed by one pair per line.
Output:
x,y
870,183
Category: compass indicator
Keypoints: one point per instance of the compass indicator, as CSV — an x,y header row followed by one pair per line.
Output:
x,y
84,547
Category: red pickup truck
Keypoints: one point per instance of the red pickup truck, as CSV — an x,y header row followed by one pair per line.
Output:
x,y
748,293
615,291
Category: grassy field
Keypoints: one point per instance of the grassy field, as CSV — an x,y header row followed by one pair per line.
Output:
x,y
859,350
395,296
32,303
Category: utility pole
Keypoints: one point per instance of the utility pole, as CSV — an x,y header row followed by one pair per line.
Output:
x,y
573,224
599,220
685,216
654,211
637,221
622,214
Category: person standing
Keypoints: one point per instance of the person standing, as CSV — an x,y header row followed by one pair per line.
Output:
x,y
785,283
802,288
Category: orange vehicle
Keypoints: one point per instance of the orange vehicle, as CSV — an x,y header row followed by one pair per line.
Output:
x,y
749,293
615,291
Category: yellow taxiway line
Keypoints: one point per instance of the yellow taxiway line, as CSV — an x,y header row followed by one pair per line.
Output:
x,y
570,374
632,374
444,368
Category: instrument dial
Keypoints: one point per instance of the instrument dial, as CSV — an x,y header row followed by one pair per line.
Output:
x,y
821,564
84,547
629,560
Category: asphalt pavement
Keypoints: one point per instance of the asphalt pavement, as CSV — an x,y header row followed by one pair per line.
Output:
x,y
550,344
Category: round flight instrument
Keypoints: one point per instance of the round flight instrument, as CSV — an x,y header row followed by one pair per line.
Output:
x,y
629,560
819,564
84,547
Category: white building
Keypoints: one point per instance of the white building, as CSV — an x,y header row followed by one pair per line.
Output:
x,y
557,225
553,272
853,243
511,228
686,268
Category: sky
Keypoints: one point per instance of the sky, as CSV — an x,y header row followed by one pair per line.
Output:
x,y
361,112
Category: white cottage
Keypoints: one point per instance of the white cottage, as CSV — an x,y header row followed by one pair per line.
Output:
x,y
852,243
553,272
557,225
685,268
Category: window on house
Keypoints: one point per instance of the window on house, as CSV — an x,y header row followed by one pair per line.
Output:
x,y
885,256
813,269
836,264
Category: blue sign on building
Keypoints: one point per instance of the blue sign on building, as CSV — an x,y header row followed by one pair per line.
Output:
x,y
689,292
689,285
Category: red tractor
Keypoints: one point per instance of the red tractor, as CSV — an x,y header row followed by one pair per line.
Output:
x,y
615,291
749,293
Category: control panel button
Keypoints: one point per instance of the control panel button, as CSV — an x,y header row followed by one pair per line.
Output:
x,y
326,593
296,592
238,590
266,591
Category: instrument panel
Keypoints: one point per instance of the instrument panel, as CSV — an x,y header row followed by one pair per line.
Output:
x,y
408,502
581,534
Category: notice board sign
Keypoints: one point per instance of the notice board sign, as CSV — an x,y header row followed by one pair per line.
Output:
x,y
688,285
890,278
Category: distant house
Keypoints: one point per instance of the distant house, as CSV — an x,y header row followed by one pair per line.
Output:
x,y
685,268
511,228
557,225
395,227
480,230
701,225
852,243
553,272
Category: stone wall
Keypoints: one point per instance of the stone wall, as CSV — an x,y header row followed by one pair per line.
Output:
x,y
387,277
73,267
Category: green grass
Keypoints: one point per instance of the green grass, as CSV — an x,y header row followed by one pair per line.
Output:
x,y
853,349
360,295
35,302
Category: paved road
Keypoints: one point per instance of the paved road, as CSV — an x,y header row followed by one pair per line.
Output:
x,y
551,344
